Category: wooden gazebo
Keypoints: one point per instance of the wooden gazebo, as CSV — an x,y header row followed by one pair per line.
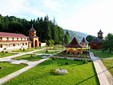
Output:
x,y
74,47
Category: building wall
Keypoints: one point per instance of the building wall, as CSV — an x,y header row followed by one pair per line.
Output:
x,y
42,44
35,42
95,45
9,44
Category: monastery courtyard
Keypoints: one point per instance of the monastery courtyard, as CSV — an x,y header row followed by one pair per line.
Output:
x,y
29,60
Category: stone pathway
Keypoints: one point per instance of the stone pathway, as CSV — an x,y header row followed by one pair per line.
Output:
x,y
31,64
105,78
13,75
20,54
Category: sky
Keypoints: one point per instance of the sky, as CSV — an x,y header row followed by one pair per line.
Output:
x,y
87,16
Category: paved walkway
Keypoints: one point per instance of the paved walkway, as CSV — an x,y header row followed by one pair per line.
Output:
x,y
31,64
13,75
105,78
8,58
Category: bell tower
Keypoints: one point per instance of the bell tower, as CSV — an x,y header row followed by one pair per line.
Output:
x,y
100,34
32,31
34,39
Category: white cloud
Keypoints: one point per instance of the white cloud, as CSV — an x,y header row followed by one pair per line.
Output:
x,y
53,5
11,7
19,8
92,18
35,11
86,16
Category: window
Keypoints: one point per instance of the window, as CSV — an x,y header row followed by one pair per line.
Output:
x,y
0,45
0,38
7,38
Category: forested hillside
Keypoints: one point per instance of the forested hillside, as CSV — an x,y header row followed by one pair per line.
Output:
x,y
46,29
78,35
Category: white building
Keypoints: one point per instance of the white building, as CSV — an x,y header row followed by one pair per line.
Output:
x,y
13,41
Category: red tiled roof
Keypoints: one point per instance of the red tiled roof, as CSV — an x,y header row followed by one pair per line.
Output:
x,y
6,34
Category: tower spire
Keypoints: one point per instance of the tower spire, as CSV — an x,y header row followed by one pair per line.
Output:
x,y
32,31
100,34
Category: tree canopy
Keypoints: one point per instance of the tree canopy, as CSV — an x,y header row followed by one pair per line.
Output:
x,y
89,38
47,30
66,38
107,43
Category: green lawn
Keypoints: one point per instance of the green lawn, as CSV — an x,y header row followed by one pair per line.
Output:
x,y
8,68
78,74
30,57
101,54
26,50
48,52
109,64
5,54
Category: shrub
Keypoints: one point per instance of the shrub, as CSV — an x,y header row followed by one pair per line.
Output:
x,y
85,61
53,58
6,52
46,51
52,71
31,55
74,59
3,52
23,49
66,63
65,58
0,67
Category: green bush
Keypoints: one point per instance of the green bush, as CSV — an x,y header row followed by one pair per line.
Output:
x,y
66,63
31,55
53,58
46,51
23,49
85,61
52,71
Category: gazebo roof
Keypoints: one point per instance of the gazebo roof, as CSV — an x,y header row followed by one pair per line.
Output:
x,y
84,40
74,44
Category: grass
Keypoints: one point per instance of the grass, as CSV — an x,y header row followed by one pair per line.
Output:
x,y
30,57
101,54
26,50
48,52
7,68
78,74
109,64
5,54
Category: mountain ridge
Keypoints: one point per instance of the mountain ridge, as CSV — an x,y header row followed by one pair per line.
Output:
x,y
77,34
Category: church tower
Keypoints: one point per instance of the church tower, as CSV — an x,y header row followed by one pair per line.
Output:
x,y
33,37
100,34
32,31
